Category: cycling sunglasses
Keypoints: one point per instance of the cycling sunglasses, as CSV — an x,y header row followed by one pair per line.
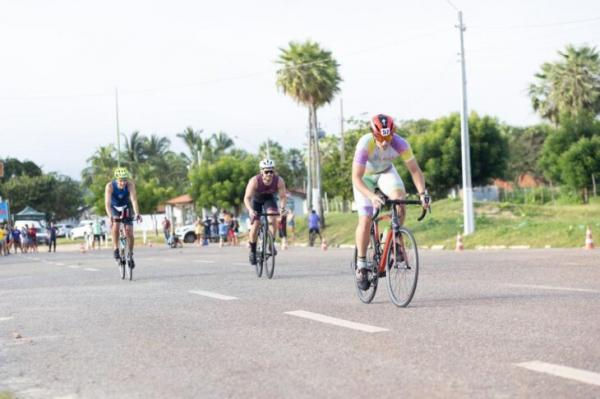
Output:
x,y
268,171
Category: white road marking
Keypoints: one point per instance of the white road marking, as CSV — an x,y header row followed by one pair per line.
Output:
x,y
240,264
91,269
74,267
584,376
213,295
548,287
5,318
204,261
59,263
337,322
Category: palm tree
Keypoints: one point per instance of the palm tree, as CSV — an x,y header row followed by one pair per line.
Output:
x,y
101,163
156,146
134,148
221,143
310,76
570,85
193,140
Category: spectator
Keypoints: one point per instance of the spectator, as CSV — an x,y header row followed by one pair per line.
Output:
x,y
198,230
314,223
234,228
16,239
292,223
206,225
33,238
223,228
166,226
2,241
7,238
97,232
25,237
52,231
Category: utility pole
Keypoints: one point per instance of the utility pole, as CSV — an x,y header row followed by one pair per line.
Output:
x,y
118,131
342,129
469,220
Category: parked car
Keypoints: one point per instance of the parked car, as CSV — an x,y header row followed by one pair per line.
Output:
x,y
186,233
84,227
41,235
64,229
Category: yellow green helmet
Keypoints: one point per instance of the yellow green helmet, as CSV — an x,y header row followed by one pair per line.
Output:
x,y
121,173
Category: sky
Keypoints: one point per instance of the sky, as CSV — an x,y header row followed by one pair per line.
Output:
x,y
211,65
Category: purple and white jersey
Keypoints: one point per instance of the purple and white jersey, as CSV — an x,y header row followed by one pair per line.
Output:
x,y
376,160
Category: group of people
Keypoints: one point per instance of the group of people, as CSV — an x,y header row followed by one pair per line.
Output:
x,y
224,227
24,238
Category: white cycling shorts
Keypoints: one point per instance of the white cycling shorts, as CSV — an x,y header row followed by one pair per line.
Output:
x,y
388,182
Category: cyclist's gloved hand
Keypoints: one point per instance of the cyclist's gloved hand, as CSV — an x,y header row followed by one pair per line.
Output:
x,y
139,218
425,199
376,201
283,212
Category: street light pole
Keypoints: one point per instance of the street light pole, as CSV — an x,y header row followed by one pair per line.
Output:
x,y
469,220
118,133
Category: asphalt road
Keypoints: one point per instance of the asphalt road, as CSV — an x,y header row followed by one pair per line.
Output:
x,y
198,323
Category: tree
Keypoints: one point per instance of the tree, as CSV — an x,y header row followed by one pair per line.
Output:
x,y
568,86
310,76
223,182
439,153
193,140
59,197
579,163
525,148
134,149
14,167
222,143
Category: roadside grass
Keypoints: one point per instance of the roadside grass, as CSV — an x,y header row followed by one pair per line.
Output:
x,y
6,395
560,226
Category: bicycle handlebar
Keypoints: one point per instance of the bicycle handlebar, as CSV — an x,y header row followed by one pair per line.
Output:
x,y
401,202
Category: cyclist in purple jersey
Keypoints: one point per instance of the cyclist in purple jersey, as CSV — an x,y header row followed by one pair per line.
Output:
x,y
260,197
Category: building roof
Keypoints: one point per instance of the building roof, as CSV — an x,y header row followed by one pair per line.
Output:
x,y
182,199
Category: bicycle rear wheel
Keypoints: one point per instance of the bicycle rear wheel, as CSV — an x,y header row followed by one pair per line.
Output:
x,y
403,268
269,255
366,296
259,254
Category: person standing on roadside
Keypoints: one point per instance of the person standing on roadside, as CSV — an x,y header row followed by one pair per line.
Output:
x,y
52,230
33,237
16,239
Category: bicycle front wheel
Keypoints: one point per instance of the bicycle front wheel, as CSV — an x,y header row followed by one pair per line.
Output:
x,y
402,268
121,262
259,254
366,296
269,255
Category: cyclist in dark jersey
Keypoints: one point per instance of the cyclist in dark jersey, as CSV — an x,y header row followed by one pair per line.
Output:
x,y
119,198
260,193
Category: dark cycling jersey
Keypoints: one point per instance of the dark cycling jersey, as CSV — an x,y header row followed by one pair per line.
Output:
x,y
264,196
119,197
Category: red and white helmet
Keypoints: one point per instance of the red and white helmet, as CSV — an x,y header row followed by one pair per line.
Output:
x,y
382,127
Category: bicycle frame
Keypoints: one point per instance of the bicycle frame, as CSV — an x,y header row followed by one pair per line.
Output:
x,y
390,236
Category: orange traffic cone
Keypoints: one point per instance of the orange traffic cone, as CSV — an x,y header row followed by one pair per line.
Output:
x,y
589,241
324,245
459,242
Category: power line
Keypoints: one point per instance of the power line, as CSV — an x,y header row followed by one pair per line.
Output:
x,y
452,5
537,26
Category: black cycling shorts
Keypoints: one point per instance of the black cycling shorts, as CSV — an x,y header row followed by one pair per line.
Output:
x,y
124,217
265,203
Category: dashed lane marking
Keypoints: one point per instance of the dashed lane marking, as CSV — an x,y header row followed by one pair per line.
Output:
x,y
337,322
5,318
204,261
74,267
570,373
213,295
548,287
91,269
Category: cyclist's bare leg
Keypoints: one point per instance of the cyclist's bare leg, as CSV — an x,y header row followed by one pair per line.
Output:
x,y
401,209
130,238
273,224
115,235
253,231
362,235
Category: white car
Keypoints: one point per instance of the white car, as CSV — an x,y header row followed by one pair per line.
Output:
x,y
84,228
186,233
64,229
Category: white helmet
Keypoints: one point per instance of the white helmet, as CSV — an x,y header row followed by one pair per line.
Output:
x,y
266,164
